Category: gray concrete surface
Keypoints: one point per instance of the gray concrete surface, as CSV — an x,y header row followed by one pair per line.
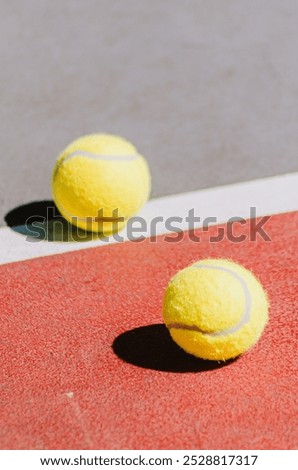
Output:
x,y
207,89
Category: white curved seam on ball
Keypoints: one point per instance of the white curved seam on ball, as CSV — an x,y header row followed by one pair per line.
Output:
x,y
245,317
93,156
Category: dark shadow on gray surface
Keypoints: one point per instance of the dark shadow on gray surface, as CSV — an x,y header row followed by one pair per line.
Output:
x,y
152,347
41,220
32,211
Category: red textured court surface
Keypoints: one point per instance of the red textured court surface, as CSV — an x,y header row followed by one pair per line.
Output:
x,y
86,362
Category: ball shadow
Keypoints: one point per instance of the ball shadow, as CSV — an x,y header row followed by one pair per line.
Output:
x,y
152,347
41,220
32,211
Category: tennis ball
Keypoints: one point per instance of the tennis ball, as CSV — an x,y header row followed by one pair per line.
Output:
x,y
215,309
99,182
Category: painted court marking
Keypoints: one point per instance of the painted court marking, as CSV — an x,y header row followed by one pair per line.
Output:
x,y
269,195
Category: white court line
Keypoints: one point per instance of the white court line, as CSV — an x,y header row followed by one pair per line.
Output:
x,y
269,195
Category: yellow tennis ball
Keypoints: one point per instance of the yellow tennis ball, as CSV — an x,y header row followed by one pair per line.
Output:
x,y
215,309
99,182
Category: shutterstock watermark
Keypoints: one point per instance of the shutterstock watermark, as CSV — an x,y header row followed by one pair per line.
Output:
x,y
137,229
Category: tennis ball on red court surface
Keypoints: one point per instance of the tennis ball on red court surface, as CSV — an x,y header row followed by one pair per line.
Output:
x,y
215,309
100,181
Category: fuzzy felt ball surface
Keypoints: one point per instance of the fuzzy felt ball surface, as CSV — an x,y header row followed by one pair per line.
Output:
x,y
99,182
215,309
